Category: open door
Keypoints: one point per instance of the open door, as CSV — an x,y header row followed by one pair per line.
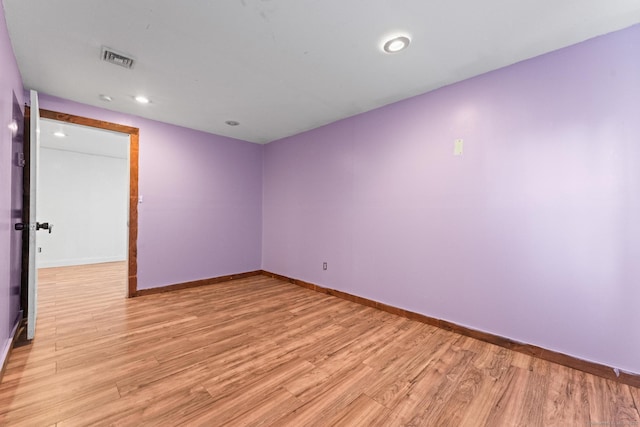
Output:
x,y
33,225
29,286
34,154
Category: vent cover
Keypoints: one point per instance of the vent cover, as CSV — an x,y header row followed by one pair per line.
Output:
x,y
117,58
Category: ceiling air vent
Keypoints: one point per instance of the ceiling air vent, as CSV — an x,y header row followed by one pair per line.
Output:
x,y
117,58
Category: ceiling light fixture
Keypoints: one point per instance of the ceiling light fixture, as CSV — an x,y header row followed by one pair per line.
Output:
x,y
142,99
232,123
106,98
396,44
13,126
59,134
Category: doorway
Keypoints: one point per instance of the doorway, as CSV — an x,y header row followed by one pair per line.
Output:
x,y
83,194
132,132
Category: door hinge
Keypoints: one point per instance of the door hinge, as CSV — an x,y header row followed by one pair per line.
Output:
x,y
20,161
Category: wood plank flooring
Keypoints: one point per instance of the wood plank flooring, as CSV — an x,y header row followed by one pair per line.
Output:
x,y
259,351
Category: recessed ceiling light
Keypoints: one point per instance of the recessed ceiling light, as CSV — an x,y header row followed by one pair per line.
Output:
x,y
59,134
232,123
106,98
396,44
142,99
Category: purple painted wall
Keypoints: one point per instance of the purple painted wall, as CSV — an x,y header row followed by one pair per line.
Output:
x,y
10,83
202,199
532,234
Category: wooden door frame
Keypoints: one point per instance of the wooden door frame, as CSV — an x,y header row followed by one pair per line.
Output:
x,y
133,179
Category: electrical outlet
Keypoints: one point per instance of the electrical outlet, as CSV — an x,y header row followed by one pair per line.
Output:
x,y
324,265
39,250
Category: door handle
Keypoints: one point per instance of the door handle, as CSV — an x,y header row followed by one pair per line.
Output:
x,y
44,225
19,226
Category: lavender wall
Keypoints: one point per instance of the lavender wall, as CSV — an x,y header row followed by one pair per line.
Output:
x,y
532,234
202,195
10,83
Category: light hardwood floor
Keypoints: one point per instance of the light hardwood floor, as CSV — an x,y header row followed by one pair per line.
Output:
x,y
259,351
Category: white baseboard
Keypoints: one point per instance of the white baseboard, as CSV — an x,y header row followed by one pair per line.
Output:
x,y
78,261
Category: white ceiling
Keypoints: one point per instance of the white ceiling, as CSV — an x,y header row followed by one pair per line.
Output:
x,y
281,67
83,139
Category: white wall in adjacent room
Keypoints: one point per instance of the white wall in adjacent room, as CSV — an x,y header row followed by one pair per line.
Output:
x,y
85,196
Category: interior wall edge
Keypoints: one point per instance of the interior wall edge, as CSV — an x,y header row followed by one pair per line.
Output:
x,y
6,354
